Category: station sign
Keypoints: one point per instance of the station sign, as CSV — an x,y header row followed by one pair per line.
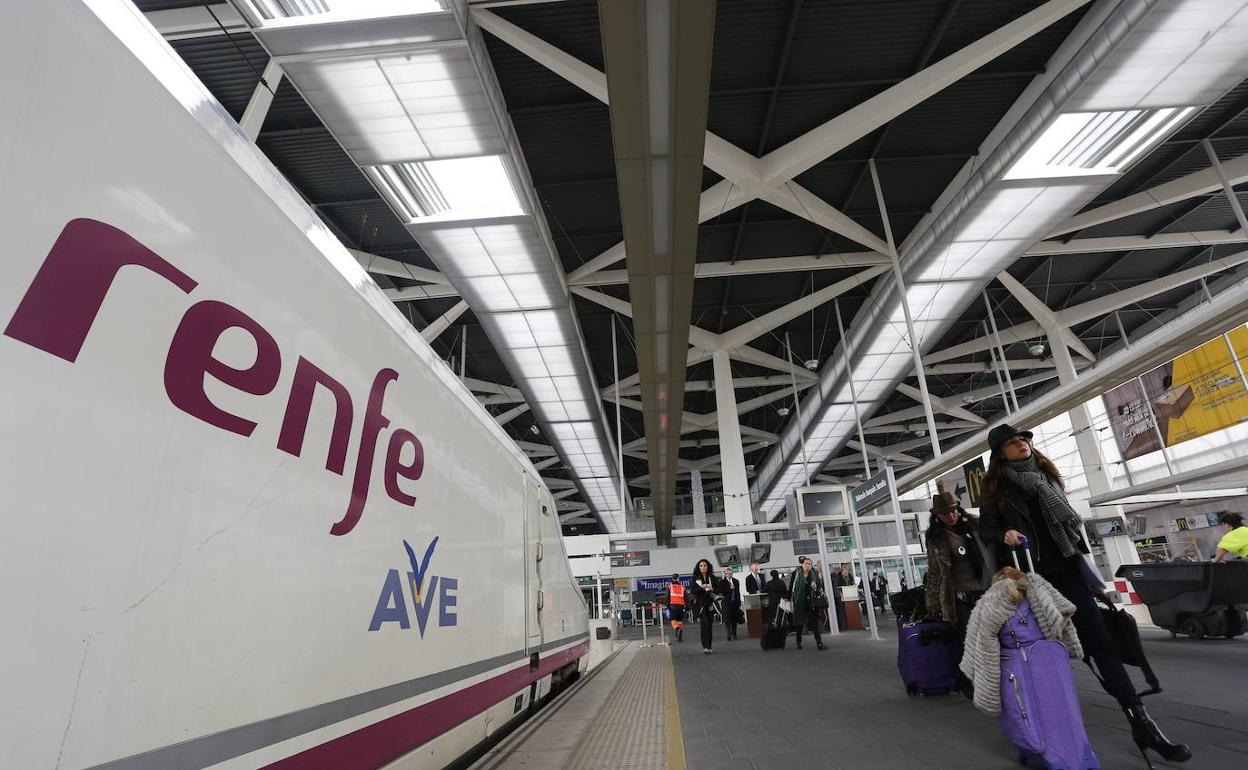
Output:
x,y
659,583
631,559
810,546
872,493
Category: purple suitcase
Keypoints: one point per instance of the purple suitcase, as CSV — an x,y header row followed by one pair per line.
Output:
x,y
1039,706
927,657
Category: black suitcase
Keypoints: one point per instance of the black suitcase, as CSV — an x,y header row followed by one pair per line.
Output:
x,y
776,634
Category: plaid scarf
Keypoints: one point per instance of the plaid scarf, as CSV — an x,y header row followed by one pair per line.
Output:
x,y
1062,521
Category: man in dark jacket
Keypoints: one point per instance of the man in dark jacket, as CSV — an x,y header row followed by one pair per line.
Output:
x,y
730,589
776,589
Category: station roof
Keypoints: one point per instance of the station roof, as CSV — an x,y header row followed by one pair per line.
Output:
x,y
779,70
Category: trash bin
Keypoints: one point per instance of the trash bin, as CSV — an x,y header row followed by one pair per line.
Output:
x,y
1199,599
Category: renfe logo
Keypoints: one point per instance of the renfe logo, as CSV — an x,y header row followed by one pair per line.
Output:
x,y
62,302
392,603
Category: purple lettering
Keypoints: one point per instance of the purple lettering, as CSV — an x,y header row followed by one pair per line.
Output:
x,y
374,422
396,468
295,423
190,359
62,302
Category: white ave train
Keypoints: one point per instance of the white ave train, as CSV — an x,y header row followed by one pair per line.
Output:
x,y
251,520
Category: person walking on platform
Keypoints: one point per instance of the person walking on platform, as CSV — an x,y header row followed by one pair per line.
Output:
x,y
702,590
809,601
730,589
1023,496
1235,541
955,568
879,587
776,590
676,607
755,582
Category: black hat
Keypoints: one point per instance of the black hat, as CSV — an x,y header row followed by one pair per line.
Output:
x,y
1003,433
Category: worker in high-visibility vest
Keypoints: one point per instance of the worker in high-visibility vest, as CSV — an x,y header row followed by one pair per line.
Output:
x,y
676,607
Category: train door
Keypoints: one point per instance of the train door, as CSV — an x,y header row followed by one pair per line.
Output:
x,y
534,597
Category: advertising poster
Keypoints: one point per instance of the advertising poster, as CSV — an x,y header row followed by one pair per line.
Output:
x,y
954,482
974,472
1200,391
1132,420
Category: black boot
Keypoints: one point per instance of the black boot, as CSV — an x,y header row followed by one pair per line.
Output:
x,y
1147,735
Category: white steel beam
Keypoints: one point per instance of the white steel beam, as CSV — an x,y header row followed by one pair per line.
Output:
x,y
1091,309
1200,182
942,405
511,414
750,267
971,367
444,321
197,21
1058,333
418,293
848,127
261,99
396,269
1135,243
750,330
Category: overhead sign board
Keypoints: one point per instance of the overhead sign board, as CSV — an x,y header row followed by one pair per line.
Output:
x,y
872,493
810,546
631,559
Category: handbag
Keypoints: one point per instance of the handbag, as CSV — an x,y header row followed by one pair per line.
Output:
x,y
739,618
819,602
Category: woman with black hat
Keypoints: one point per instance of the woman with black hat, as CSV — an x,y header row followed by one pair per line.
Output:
x,y
1023,496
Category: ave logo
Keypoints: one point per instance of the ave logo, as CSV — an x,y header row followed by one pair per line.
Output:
x,y
426,590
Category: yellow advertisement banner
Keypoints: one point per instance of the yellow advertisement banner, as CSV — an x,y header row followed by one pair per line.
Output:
x,y
1201,391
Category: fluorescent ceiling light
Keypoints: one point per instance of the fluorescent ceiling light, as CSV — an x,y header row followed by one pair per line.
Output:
x,y
450,190
337,10
1089,143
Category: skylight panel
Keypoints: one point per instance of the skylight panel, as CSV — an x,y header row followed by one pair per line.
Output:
x,y
1091,143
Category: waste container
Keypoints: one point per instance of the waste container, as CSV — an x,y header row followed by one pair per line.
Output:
x,y
1199,599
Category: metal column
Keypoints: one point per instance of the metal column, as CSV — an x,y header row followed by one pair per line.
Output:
x,y
731,455
905,307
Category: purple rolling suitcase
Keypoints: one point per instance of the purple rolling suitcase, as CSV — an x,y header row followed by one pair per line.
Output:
x,y
927,657
1039,705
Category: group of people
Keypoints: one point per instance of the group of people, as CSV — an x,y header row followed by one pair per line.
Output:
x,y
800,601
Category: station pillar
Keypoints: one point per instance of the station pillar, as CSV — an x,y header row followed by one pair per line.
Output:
x,y
737,509
1119,549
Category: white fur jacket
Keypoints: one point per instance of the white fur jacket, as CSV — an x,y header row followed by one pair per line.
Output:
x,y
981,656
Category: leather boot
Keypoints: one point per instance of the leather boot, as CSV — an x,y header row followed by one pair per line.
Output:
x,y
1147,735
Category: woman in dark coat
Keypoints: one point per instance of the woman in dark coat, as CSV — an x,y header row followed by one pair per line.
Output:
x,y
1023,496
955,568
702,589
805,586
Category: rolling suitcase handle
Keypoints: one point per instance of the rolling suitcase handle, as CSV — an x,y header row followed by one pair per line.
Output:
x,y
1026,546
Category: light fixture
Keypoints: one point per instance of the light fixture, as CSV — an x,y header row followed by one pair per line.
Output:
x,y
448,190
811,364
1036,348
783,411
1089,143
749,469
536,431
920,433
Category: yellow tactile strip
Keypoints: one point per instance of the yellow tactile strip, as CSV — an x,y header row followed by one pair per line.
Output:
x,y
639,724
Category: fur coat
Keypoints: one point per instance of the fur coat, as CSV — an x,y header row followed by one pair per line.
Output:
x,y
981,655
942,562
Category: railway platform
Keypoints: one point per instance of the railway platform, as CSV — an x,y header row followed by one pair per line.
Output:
x,y
743,709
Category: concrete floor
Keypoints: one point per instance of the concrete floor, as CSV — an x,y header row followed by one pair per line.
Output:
x,y
741,708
